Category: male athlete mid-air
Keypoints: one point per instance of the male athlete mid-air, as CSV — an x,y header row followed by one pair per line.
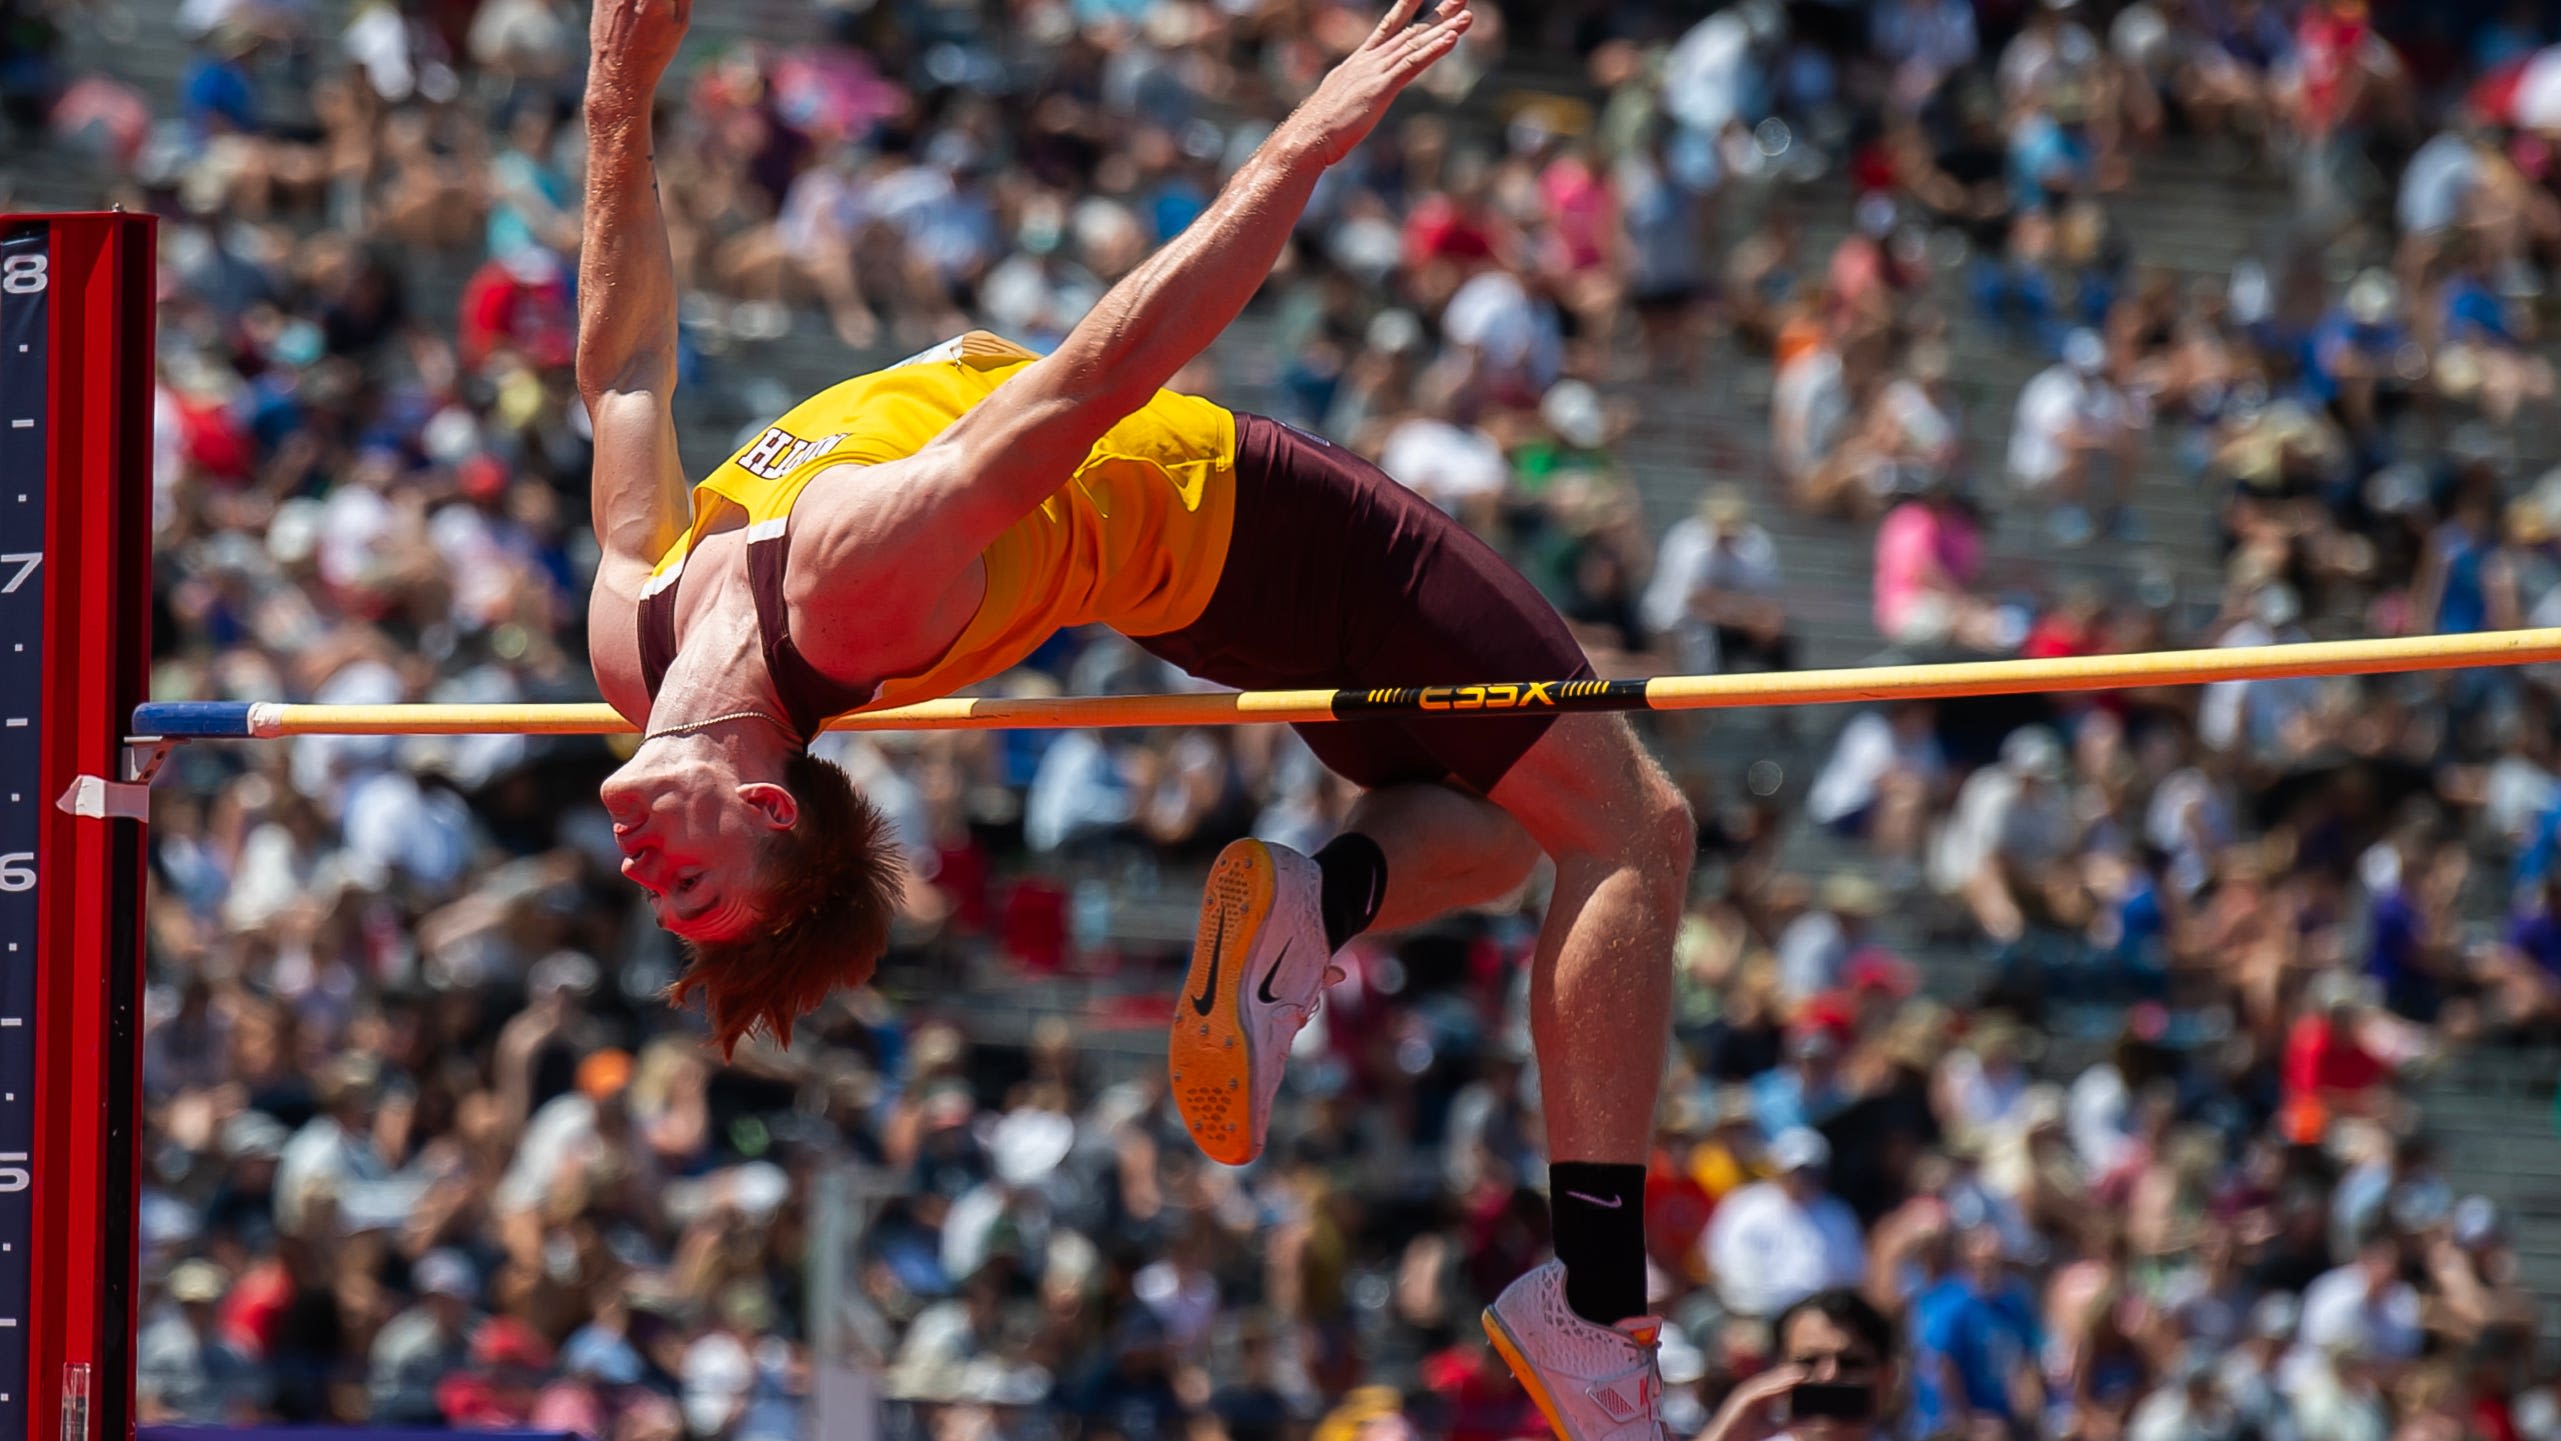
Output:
x,y
917,530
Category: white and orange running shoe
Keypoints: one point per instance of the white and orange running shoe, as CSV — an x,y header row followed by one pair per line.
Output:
x,y
1259,967
1591,1382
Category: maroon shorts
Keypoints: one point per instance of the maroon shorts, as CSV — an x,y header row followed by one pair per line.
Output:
x,y
1340,578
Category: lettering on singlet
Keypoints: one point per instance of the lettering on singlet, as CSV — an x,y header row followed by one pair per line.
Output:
x,y
778,452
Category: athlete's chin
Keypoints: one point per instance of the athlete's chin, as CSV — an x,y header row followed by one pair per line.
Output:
x,y
703,930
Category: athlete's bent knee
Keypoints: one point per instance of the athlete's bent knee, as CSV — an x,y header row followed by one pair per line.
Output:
x,y
1669,839
1647,827
1594,794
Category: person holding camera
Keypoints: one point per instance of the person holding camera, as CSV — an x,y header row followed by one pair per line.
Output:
x,y
1837,1366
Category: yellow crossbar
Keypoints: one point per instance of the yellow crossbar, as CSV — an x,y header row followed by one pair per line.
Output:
x,y
1662,693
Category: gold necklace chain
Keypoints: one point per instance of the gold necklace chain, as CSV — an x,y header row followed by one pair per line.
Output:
x,y
707,721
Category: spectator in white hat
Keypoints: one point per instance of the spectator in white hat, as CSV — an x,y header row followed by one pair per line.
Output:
x,y
1715,589
1773,1243
2073,429
2362,1309
424,1343
1027,1148
2472,1275
1886,772
2009,844
185,1369
2188,1406
2248,1370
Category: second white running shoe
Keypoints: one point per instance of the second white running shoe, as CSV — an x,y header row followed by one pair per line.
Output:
x,y
1592,1382
1259,967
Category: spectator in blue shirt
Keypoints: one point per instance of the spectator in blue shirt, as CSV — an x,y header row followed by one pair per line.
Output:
x,y
2526,966
1806,1091
2483,357
1975,1342
2536,934
2141,952
2517,33
218,97
2393,942
2354,352
2048,163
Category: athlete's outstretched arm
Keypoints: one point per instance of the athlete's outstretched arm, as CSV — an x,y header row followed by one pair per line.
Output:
x,y
1010,453
627,286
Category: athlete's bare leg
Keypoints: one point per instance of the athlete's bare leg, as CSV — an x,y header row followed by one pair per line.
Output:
x,y
1447,849
1589,796
1601,991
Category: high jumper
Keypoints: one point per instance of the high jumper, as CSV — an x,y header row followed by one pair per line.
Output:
x,y
919,529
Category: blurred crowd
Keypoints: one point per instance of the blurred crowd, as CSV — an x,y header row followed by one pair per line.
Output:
x,y
426,1148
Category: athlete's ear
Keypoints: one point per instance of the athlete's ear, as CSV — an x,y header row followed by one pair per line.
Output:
x,y
774,806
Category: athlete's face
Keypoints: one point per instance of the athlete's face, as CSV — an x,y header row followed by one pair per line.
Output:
x,y
693,836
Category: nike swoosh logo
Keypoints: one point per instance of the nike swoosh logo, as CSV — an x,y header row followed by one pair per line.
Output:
x,y
1209,988
1612,1204
1264,991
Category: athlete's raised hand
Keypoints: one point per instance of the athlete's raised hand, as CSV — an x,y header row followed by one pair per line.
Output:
x,y
638,37
627,316
1355,96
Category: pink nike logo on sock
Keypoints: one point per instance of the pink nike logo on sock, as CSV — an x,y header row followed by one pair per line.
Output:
x,y
1612,1204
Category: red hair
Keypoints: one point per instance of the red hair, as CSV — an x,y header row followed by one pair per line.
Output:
x,y
836,880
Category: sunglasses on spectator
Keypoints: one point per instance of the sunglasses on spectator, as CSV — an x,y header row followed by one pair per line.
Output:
x,y
1844,1363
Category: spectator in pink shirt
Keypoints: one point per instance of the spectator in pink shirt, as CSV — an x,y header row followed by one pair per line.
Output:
x,y
1582,215
1928,550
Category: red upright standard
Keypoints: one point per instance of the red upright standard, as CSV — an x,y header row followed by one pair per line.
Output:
x,y
75,641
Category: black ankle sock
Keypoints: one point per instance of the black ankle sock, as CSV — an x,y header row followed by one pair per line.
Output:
x,y
1600,1236
1354,872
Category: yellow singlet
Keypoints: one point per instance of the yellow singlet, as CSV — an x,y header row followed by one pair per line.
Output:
x,y
1135,539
